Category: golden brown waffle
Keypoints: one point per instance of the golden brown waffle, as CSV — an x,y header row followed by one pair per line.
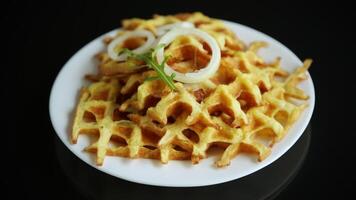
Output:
x,y
247,106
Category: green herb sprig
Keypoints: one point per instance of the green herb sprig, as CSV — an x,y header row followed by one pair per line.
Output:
x,y
150,59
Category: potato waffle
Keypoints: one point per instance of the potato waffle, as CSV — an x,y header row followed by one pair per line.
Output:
x,y
246,106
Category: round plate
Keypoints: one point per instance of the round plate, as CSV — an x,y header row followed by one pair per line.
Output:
x,y
64,96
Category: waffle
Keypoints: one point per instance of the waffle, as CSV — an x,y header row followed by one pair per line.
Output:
x,y
246,106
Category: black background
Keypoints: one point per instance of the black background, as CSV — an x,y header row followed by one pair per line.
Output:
x,y
40,37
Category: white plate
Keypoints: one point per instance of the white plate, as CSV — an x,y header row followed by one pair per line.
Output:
x,y
64,96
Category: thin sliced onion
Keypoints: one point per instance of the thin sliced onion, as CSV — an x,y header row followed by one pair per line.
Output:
x,y
165,28
199,75
119,40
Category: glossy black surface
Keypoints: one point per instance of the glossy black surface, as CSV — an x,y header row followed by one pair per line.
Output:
x,y
39,37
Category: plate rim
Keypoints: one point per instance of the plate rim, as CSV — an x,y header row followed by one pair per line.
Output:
x,y
306,121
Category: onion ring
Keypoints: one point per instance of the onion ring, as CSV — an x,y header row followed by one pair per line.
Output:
x,y
199,75
142,49
165,28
